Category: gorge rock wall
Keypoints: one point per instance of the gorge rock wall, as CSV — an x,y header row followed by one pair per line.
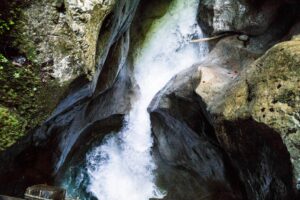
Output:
x,y
62,35
88,112
247,151
227,128
284,60
191,163
45,46
199,155
243,16
245,112
268,92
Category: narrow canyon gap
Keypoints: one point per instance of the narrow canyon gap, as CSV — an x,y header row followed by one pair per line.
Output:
x,y
122,167
132,109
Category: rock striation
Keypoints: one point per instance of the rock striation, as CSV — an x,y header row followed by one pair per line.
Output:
x,y
246,149
90,110
229,105
227,128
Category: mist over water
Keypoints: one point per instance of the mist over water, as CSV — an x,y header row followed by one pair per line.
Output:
x,y
121,168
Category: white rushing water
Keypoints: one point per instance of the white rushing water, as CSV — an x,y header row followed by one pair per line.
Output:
x,y
122,167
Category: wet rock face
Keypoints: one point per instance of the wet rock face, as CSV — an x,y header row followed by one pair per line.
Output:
x,y
62,35
251,124
247,147
83,116
191,164
63,140
256,149
200,155
250,121
269,91
217,16
250,17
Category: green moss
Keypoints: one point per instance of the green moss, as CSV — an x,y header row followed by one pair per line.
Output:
x,y
3,59
31,54
6,23
12,127
287,97
8,14
24,94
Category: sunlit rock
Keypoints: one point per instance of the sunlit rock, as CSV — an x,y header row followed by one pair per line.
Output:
x,y
269,92
219,16
62,35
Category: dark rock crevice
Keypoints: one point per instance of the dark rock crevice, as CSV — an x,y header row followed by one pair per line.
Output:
x,y
88,106
233,160
247,17
186,145
256,149
277,19
199,154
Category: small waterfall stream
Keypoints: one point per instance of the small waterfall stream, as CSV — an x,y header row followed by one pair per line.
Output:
x,y
121,168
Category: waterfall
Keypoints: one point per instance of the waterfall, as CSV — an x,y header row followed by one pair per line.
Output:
x,y
121,168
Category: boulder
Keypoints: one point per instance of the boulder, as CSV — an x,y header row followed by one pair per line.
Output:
x,y
248,17
221,66
191,164
246,150
195,161
261,103
269,92
62,35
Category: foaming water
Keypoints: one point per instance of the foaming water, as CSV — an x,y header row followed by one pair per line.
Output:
x,y
121,168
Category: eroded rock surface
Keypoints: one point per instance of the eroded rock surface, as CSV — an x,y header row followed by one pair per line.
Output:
x,y
269,92
200,155
271,95
84,115
190,162
219,127
246,16
248,148
62,35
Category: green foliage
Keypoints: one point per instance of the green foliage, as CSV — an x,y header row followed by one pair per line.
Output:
x,y
5,25
24,98
31,54
10,13
20,88
11,127
20,92
3,59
